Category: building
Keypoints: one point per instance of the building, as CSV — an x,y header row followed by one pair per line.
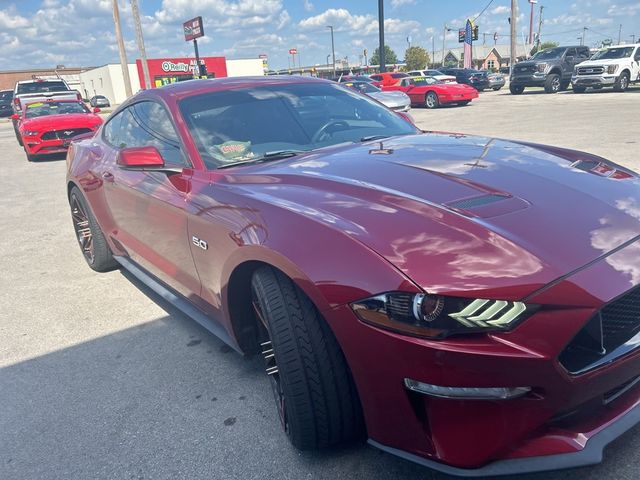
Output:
x,y
8,78
485,57
164,71
108,80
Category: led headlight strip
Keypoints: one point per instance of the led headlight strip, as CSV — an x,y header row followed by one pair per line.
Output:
x,y
486,313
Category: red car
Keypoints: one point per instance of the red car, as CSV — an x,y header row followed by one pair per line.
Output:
x,y
387,78
467,303
431,93
48,127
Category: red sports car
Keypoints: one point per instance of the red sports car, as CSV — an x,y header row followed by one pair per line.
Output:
x,y
48,127
467,303
431,93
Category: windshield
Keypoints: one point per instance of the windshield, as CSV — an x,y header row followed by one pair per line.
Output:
x,y
44,86
549,54
613,53
422,81
362,87
41,109
6,96
240,125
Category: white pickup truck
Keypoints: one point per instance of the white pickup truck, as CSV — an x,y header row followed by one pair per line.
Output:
x,y
617,66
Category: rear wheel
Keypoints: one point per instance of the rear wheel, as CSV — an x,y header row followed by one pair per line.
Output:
x,y
315,395
552,83
622,82
516,89
431,100
94,246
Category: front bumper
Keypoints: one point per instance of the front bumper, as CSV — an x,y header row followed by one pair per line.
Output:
x,y
36,146
565,421
457,97
528,80
594,80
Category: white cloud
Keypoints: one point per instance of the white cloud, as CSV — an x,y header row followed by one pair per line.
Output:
x,y
308,6
399,3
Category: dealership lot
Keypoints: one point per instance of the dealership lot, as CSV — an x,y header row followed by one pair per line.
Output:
x,y
100,380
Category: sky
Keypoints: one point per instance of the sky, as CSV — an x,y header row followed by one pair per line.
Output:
x,y
46,33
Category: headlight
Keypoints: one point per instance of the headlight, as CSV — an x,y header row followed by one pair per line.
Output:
x,y
611,69
542,67
436,316
29,133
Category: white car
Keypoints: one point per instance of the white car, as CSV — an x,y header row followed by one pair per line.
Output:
x,y
617,66
437,74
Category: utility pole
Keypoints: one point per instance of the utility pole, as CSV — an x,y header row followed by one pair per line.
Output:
x,y
539,28
584,32
123,53
143,54
333,50
514,39
633,39
619,34
433,51
532,2
381,51
444,35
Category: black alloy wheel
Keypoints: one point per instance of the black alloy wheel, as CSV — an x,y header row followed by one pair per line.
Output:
x,y
553,83
516,89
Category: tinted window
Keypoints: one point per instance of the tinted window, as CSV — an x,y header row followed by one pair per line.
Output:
x,y
571,52
112,129
244,124
6,96
42,109
44,86
613,53
584,53
549,53
147,124
398,75
637,55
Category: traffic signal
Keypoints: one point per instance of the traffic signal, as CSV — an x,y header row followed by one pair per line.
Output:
x,y
475,33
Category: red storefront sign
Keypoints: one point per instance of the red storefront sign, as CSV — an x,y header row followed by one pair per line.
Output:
x,y
164,71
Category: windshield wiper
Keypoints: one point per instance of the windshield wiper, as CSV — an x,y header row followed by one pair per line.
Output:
x,y
273,155
373,137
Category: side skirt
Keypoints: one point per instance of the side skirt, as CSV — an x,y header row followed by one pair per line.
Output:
x,y
178,301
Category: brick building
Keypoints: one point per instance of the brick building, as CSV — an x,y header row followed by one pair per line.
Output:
x,y
71,75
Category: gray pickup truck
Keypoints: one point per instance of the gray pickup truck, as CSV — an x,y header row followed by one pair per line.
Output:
x,y
551,68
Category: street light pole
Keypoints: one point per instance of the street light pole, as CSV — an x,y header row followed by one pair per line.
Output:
x,y
532,2
143,54
381,50
513,54
333,50
121,50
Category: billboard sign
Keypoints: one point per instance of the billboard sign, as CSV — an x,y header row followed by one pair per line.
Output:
x,y
293,51
193,29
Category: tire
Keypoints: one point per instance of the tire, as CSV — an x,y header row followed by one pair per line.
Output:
x,y
495,89
431,100
18,136
315,393
622,82
465,103
516,89
30,158
579,89
92,243
552,83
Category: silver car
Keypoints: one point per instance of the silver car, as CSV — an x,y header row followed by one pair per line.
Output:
x,y
398,101
496,81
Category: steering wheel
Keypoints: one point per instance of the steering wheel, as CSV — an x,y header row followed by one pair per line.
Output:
x,y
323,130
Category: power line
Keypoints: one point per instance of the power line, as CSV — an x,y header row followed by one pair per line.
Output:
x,y
483,10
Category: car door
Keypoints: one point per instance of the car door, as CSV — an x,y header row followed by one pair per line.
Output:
x,y
569,61
402,86
148,207
636,65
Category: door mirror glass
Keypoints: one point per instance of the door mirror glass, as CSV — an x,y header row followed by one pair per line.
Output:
x,y
140,157
569,58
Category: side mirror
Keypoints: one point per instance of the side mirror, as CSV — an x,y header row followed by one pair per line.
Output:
x,y
569,58
15,116
140,157
96,110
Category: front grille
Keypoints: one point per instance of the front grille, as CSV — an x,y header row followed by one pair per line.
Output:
x,y
523,69
590,70
610,333
64,134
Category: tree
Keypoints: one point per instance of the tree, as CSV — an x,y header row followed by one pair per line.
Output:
x,y
416,58
389,56
544,46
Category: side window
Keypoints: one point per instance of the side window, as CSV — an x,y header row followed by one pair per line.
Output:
x,y
584,53
571,52
111,131
636,57
147,124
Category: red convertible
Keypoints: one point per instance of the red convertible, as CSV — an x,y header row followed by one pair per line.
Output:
x,y
48,127
431,93
468,303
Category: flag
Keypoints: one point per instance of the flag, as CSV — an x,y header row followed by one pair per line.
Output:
x,y
468,49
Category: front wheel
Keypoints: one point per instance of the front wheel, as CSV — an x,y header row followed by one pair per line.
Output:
x,y
30,158
516,89
622,82
431,100
94,246
17,132
495,89
552,83
315,394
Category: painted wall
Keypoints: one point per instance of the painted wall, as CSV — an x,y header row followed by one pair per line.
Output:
x,y
108,81
245,67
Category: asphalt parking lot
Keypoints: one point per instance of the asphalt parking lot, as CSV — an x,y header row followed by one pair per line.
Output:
x,y
99,379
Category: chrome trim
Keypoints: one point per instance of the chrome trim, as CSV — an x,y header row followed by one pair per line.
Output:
x,y
466,393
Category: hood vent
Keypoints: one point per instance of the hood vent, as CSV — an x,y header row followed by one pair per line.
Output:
x,y
475,202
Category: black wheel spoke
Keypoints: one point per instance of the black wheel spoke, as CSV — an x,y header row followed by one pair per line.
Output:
x,y
82,227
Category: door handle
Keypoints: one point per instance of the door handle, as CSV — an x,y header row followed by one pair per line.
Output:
x,y
107,176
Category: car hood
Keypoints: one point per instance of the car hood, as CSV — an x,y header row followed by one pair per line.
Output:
x,y
608,61
461,215
391,98
61,122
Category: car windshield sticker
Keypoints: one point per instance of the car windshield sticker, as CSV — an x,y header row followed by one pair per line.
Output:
x,y
233,150
34,105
